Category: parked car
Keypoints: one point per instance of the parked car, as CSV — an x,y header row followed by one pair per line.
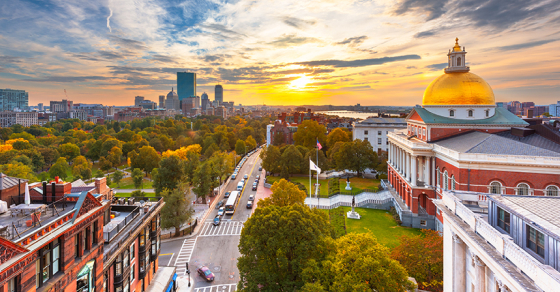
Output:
x,y
222,211
226,195
250,205
233,176
220,204
254,188
260,168
251,198
258,177
205,273
217,220
246,176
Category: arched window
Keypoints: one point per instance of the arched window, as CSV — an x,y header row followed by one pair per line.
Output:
x,y
453,182
496,187
451,113
487,113
470,113
459,61
445,180
522,189
552,191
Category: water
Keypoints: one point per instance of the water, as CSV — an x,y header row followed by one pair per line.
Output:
x,y
349,114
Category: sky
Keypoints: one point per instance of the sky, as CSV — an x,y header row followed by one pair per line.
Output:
x,y
274,52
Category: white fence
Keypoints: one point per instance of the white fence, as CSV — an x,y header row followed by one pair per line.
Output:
x,y
362,199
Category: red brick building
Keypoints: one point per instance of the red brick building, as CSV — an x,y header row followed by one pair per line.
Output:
x,y
459,140
11,187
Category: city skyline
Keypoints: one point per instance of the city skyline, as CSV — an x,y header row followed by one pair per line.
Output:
x,y
318,52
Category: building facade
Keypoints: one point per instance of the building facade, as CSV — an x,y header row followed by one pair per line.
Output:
x,y
186,85
375,130
459,140
61,106
172,102
11,99
161,102
218,95
26,119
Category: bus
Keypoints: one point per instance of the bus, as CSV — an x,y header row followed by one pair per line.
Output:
x,y
232,201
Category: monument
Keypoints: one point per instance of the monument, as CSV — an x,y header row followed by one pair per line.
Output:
x,y
351,214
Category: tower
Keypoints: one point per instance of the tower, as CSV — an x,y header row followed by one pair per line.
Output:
x,y
219,94
456,61
186,85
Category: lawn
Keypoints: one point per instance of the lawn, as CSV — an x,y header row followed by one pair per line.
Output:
x,y
126,183
357,184
128,195
381,224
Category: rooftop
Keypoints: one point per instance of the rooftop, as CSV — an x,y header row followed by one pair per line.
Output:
x,y
501,117
377,121
7,182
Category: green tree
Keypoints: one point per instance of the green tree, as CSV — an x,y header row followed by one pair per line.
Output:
x,y
98,131
178,208
117,176
250,142
338,135
190,166
357,155
105,164
22,145
284,193
308,133
277,245
115,156
81,168
60,168
149,159
204,180
137,178
108,145
19,170
138,193
222,163
271,159
291,160
69,151
240,147
5,133
278,139
170,172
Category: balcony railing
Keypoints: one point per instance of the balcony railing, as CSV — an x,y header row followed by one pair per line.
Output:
x,y
111,233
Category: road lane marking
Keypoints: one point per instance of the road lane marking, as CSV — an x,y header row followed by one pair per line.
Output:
x,y
228,228
185,253
222,287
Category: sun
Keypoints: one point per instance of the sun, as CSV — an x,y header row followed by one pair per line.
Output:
x,y
300,83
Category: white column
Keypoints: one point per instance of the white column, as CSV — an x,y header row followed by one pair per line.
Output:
x,y
421,164
407,157
428,170
399,159
414,176
459,263
433,171
480,275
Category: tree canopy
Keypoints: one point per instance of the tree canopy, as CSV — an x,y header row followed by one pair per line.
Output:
x,y
284,193
309,132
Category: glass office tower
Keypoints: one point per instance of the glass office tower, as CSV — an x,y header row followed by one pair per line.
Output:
x,y
186,85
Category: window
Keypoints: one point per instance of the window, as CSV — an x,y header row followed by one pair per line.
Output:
x,y
470,113
94,232
503,219
87,244
423,222
47,263
118,265
495,188
77,245
56,257
459,61
552,191
452,182
143,237
487,112
445,180
105,282
379,141
522,189
132,252
365,132
85,281
379,133
14,284
535,241
366,139
132,271
125,258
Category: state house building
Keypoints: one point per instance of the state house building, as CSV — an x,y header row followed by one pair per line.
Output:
x,y
459,140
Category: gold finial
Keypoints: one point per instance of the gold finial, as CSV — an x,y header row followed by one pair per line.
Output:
x,y
456,48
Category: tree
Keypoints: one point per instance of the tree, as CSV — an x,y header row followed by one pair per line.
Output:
x,y
69,151
422,257
81,168
278,138
138,193
222,163
170,172
190,166
137,178
308,133
250,142
59,168
178,208
271,159
291,160
105,164
204,180
361,252
240,147
338,135
357,155
115,156
117,176
278,243
19,170
149,159
108,145
312,155
50,155
284,193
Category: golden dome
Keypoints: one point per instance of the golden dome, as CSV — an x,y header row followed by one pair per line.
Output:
x,y
458,89
456,48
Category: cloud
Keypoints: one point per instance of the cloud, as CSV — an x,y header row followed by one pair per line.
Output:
x,y
425,34
222,31
128,43
435,67
355,41
525,45
163,58
68,78
10,59
296,22
358,63
432,8
290,40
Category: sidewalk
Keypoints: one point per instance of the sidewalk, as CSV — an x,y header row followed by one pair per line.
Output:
x,y
262,192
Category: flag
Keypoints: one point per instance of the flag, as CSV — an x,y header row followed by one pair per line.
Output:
x,y
312,166
319,145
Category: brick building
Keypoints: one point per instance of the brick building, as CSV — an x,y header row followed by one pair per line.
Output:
x,y
280,130
11,187
459,140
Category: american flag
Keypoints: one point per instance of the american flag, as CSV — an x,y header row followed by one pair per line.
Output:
x,y
319,145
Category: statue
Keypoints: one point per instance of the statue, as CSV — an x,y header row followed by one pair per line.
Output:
x,y
353,202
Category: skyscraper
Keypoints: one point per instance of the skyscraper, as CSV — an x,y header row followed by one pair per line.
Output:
x,y
186,85
13,98
204,101
172,102
162,101
219,94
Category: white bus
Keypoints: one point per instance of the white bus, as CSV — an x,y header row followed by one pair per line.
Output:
x,y
232,201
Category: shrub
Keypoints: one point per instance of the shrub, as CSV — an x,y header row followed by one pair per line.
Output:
x,y
338,221
395,215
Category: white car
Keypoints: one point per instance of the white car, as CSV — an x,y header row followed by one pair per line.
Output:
x,y
221,211
245,176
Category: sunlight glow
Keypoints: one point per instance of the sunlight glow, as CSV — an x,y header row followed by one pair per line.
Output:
x,y
301,82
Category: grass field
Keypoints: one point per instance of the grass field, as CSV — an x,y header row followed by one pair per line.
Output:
x,y
357,184
381,224
128,195
126,183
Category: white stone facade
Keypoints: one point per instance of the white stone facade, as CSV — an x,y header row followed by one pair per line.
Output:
x,y
463,112
375,130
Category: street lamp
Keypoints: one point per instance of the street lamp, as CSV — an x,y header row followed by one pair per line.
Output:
x,y
188,274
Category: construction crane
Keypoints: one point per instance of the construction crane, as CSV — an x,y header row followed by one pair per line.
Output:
x,y
65,94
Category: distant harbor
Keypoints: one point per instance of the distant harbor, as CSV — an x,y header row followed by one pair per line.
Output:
x,y
349,114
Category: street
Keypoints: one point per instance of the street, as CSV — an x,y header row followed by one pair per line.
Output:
x,y
215,247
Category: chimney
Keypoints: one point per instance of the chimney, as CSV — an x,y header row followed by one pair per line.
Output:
x,y
45,191
530,113
54,192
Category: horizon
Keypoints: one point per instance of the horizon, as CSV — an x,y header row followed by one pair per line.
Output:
x,y
317,52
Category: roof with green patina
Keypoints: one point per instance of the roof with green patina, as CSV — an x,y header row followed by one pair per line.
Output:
x,y
501,117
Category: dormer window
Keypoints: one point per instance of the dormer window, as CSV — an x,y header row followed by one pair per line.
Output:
x,y
487,113
470,113
451,113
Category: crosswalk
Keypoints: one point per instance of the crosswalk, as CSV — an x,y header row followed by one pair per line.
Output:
x,y
184,256
218,288
225,228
